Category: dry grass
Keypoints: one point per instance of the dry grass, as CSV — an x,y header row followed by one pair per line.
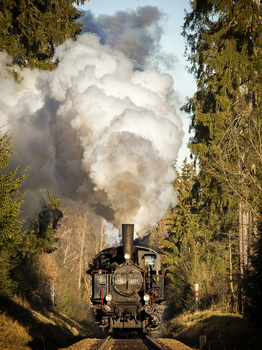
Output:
x,y
12,334
22,328
223,330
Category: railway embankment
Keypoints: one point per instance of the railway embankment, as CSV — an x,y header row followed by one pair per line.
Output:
x,y
25,328
218,330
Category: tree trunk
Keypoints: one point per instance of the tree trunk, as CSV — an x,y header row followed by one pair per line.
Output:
x,y
82,235
233,297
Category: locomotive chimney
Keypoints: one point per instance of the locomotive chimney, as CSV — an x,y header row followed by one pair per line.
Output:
x,y
128,236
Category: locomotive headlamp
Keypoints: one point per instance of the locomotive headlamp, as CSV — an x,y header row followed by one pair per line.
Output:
x,y
105,308
108,297
127,256
146,297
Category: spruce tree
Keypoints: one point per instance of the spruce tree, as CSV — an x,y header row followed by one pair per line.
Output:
x,y
11,238
224,39
224,48
178,250
190,254
30,30
41,237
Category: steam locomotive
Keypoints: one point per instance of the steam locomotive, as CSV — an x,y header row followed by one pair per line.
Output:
x,y
127,286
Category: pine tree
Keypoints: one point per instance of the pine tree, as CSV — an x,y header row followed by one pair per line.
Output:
x,y
224,46
41,236
37,270
30,29
189,253
178,248
225,42
11,238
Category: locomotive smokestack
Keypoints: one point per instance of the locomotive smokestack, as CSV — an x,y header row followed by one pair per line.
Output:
x,y
128,236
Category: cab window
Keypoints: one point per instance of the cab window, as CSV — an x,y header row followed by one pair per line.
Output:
x,y
150,260
105,261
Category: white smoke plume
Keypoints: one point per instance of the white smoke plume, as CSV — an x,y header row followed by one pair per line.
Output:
x,y
95,130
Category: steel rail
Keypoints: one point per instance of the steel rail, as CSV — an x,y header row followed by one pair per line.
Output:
x,y
105,343
151,344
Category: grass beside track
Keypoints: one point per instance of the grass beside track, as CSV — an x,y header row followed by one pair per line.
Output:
x,y
23,328
223,331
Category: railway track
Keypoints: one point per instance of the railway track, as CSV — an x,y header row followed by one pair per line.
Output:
x,y
145,343
142,343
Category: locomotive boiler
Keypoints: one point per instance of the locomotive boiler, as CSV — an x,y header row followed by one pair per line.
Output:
x,y
127,286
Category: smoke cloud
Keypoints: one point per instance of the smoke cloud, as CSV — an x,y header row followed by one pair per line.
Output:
x,y
135,33
96,130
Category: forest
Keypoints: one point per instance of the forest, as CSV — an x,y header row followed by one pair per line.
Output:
x,y
212,237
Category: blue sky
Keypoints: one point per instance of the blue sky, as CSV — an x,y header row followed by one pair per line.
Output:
x,y
171,42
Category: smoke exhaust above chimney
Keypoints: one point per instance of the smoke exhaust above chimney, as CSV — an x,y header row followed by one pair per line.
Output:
x,y
97,131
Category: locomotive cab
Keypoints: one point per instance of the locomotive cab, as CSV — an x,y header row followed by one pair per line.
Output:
x,y
127,286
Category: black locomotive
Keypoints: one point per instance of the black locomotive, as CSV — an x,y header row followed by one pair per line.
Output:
x,y
127,286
